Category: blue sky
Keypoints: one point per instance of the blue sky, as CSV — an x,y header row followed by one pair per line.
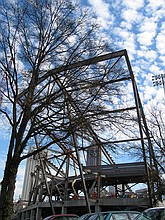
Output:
x,y
137,26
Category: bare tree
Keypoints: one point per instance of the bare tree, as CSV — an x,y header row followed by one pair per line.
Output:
x,y
156,125
43,93
155,152
157,131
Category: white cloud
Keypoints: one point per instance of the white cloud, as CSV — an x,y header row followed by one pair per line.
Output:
x,y
150,55
4,126
126,25
2,162
162,58
159,95
3,154
155,70
148,25
147,32
131,16
160,40
127,40
146,38
134,4
148,93
157,15
155,4
102,10
131,13
19,181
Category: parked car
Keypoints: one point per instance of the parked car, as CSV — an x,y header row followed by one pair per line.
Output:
x,y
85,216
110,215
62,217
156,213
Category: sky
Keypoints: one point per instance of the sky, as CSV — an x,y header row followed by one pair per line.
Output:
x,y
137,26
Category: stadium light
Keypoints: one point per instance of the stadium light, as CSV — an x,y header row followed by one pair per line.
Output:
x,y
159,80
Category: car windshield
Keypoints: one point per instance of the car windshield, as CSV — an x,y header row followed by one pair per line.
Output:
x,y
119,216
85,216
98,216
142,217
155,214
152,214
133,215
93,217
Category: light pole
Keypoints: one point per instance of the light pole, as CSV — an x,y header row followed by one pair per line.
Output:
x,y
159,80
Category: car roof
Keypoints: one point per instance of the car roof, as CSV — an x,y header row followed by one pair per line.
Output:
x,y
154,208
64,215
61,215
119,211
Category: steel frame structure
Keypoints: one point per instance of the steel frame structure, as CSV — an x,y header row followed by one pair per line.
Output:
x,y
54,182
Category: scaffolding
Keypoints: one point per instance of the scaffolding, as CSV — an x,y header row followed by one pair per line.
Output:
x,y
64,178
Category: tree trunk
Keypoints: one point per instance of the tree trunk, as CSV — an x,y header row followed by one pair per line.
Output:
x,y
7,189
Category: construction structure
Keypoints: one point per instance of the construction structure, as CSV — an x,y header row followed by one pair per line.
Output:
x,y
85,178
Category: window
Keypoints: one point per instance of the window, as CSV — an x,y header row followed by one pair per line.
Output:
x,y
119,216
132,215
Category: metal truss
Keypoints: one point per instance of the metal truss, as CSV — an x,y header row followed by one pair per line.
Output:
x,y
63,173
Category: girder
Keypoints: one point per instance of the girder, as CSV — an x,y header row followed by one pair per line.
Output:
x,y
69,176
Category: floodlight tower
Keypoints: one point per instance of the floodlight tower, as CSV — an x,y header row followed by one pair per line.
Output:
x,y
159,80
